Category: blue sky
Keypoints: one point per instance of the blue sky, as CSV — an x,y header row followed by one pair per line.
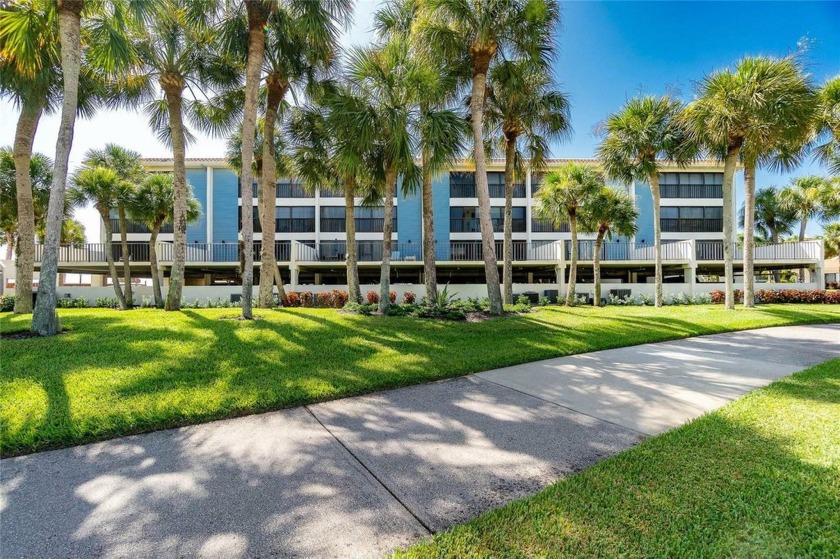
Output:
x,y
609,51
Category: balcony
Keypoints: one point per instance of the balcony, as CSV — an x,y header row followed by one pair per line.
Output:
x,y
467,190
452,251
472,225
691,190
137,227
691,225
546,226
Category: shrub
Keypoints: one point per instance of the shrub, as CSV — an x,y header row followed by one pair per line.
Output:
x,y
339,298
544,301
106,303
306,299
365,309
68,303
832,285
324,299
409,298
372,298
523,300
7,303
292,299
832,297
392,297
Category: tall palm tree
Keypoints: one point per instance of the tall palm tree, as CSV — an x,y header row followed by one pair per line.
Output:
x,y
103,189
741,114
827,129
129,168
470,35
561,198
610,212
177,54
525,112
151,204
30,75
638,137
811,198
387,80
441,131
110,50
39,180
329,153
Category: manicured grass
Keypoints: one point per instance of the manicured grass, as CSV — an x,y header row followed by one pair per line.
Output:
x,y
115,373
757,478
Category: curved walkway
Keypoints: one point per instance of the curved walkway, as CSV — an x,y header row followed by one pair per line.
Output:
x,y
363,476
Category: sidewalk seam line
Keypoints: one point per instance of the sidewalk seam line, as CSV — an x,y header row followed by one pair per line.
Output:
x,y
372,474
482,379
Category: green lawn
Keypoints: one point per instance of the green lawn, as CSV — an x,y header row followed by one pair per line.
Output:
x,y
757,478
115,373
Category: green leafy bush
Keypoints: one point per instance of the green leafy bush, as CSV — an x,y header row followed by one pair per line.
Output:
x,y
7,303
71,303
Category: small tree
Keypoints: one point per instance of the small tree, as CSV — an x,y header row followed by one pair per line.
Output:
x,y
772,219
126,163
561,198
103,189
151,204
831,242
610,212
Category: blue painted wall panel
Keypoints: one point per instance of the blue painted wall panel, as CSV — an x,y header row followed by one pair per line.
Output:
x,y
197,231
225,206
644,203
440,207
410,221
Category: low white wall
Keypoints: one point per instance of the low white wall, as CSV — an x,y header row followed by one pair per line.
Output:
x,y
459,291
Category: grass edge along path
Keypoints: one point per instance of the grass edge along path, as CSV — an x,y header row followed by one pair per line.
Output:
x,y
760,477
118,373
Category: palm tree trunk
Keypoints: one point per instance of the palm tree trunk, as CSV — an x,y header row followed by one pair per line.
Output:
x,y
749,234
45,318
510,153
173,87
278,280
657,239
728,239
488,242
774,236
268,261
109,258
596,265
257,15
570,290
156,291
387,231
429,256
129,296
27,125
353,289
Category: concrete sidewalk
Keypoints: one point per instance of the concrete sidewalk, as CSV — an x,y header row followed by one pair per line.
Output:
x,y
363,476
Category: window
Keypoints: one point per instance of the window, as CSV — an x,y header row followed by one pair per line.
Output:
x,y
368,219
691,185
295,219
691,219
332,219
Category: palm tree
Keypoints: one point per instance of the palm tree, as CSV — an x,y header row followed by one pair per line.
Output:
x,y
470,35
610,212
638,137
441,131
523,107
561,198
811,198
386,79
743,114
103,189
38,179
828,125
151,204
771,220
129,168
30,75
329,153
111,51
178,53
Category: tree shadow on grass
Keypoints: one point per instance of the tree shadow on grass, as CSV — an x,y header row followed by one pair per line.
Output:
x,y
718,487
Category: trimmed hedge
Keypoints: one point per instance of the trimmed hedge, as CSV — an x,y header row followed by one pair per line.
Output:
x,y
815,296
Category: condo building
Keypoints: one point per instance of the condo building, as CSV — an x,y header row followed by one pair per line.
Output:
x,y
310,242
